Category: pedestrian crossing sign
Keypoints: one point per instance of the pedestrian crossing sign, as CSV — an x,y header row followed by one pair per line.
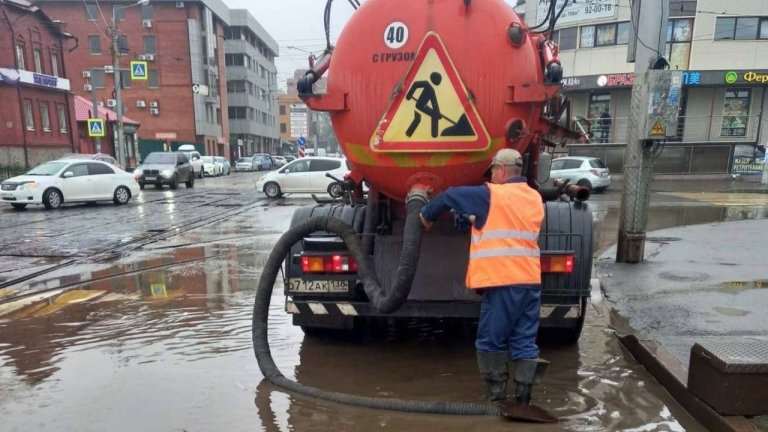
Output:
x,y
139,70
96,127
432,112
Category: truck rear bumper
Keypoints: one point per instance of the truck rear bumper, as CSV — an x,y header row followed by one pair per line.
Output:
x,y
552,315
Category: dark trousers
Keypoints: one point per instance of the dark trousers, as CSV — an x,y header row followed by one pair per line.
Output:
x,y
509,321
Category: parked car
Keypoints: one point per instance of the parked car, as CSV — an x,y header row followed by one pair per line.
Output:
x,y
161,168
195,158
263,161
69,180
245,164
211,167
278,161
589,172
289,158
225,167
305,175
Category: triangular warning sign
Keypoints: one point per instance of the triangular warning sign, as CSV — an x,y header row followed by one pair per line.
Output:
x,y
96,128
432,111
657,129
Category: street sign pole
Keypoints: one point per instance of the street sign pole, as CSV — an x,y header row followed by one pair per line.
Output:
x,y
116,74
95,112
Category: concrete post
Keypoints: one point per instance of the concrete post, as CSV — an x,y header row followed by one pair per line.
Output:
x,y
649,24
95,109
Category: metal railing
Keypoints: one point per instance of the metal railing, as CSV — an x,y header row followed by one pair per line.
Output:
x,y
690,129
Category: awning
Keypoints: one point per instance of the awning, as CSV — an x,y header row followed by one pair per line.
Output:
x,y
83,106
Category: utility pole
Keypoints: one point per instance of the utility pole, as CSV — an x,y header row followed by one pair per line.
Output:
x,y
95,110
117,76
647,44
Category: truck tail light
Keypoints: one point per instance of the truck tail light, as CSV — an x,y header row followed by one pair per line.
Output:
x,y
328,264
557,263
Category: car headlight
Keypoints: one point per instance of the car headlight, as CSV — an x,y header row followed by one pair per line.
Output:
x,y
28,186
167,173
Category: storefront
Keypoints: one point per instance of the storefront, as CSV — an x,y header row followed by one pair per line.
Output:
x,y
720,124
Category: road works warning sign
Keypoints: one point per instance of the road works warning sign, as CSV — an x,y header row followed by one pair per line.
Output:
x,y
432,111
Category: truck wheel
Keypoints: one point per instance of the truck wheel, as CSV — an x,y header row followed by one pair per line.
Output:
x,y
272,190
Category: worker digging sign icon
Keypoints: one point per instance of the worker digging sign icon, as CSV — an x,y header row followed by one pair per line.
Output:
x,y
432,112
96,127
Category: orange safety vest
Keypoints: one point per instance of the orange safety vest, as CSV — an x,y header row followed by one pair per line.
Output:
x,y
506,250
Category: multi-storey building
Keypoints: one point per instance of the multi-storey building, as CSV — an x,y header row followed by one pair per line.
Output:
x,y
36,110
722,49
251,85
181,41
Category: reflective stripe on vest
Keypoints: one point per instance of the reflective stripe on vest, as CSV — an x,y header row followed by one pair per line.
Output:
x,y
506,251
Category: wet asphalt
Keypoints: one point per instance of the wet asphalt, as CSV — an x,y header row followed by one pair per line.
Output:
x,y
146,317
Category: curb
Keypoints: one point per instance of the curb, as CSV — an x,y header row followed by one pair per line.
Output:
x,y
672,376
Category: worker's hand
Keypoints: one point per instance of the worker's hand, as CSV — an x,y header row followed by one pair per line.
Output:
x,y
425,223
462,222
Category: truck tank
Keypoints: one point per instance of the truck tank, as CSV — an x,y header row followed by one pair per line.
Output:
x,y
427,91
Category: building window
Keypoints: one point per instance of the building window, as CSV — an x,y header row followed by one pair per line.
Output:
x,y
150,46
679,36
154,79
37,56
283,128
94,44
599,103
682,8
125,79
236,86
29,118
118,12
91,11
45,120
20,57
235,60
62,116
54,63
238,113
146,12
604,35
282,109
741,28
735,113
565,38
97,78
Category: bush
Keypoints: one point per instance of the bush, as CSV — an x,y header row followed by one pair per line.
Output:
x,y
8,171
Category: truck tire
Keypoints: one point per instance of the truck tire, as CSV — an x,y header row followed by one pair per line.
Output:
x,y
568,226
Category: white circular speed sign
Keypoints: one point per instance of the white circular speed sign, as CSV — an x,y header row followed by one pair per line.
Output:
x,y
396,35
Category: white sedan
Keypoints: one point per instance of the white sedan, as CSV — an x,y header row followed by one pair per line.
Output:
x,y
69,180
305,175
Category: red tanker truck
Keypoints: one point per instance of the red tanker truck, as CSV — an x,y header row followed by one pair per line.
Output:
x,y
421,94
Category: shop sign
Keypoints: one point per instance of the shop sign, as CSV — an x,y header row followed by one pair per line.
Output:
x,y
691,78
571,82
748,77
578,12
747,165
616,80
37,79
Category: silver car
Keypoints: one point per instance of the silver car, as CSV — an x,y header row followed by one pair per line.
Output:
x,y
589,172
245,164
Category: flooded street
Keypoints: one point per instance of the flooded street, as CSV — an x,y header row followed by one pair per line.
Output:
x,y
157,337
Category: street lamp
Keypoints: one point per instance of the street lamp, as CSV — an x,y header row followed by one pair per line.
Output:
x,y
117,77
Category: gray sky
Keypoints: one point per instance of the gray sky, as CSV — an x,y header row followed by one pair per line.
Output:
x,y
297,23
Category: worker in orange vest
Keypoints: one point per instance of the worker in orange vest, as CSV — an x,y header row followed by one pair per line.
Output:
x,y
505,217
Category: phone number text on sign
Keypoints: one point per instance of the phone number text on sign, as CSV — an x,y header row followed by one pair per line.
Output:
x,y
578,11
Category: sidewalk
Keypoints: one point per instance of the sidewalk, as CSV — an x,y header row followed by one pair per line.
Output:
x,y
701,283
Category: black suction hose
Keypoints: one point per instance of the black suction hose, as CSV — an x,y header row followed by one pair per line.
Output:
x,y
386,302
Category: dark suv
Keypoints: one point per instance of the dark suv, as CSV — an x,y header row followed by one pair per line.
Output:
x,y
160,168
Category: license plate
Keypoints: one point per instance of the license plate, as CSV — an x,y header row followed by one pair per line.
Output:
x,y
317,286
150,178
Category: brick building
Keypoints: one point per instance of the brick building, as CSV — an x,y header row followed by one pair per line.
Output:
x,y
36,114
184,99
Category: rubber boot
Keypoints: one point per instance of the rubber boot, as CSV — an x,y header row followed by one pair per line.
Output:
x,y
493,369
527,373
